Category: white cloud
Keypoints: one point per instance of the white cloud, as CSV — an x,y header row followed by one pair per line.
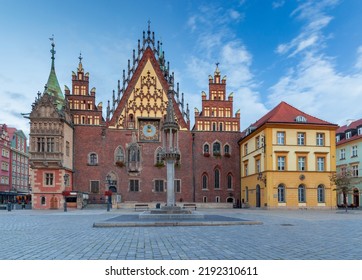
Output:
x,y
235,15
359,58
278,4
314,86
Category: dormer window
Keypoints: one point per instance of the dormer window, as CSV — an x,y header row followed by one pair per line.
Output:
x,y
338,138
301,119
359,131
348,134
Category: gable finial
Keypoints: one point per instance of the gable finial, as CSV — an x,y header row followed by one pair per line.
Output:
x,y
217,71
80,57
52,51
149,26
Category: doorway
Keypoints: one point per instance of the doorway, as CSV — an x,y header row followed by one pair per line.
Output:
x,y
257,196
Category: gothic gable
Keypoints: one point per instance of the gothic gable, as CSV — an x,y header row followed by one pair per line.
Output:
x,y
45,107
145,96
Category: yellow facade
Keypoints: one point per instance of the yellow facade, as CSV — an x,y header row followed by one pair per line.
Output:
x,y
301,166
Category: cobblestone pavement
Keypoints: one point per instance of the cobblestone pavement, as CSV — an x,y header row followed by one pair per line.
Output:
x,y
297,234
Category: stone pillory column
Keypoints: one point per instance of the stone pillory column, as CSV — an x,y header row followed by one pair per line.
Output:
x,y
170,151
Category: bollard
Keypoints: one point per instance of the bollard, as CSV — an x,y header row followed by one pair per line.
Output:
x,y
9,206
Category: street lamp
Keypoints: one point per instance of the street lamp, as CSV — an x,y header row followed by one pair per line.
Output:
x,y
108,193
65,193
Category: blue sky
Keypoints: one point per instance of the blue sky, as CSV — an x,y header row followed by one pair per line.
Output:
x,y
307,53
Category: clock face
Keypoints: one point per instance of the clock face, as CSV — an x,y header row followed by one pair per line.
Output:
x,y
149,130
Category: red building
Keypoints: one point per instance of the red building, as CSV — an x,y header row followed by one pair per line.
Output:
x,y
122,152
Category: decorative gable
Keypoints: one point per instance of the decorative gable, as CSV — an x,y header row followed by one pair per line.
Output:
x,y
145,96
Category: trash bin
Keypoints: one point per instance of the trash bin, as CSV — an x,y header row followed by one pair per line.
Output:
x,y
9,206
158,205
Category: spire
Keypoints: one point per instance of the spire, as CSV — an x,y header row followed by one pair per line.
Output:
x,y
217,71
80,65
52,86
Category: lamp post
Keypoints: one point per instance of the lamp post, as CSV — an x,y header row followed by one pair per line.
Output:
x,y
65,194
108,193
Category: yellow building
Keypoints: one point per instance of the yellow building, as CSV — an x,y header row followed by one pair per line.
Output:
x,y
287,158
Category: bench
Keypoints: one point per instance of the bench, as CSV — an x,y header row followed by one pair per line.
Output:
x,y
140,206
3,206
189,205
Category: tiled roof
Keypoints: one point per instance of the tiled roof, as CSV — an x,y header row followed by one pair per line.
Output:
x,y
343,129
285,113
352,125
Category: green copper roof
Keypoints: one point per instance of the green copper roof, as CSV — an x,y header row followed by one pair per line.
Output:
x,y
52,85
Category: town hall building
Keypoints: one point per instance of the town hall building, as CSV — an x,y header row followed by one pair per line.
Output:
x,y
80,157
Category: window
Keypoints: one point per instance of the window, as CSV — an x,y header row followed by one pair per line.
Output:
x,y
281,163
134,185
93,159
354,151
206,148
257,142
94,186
5,166
66,180
258,166
40,144
119,154
338,138
230,181
300,119
49,179
204,181
50,145
246,149
227,150
281,193
217,178
246,194
355,170
359,131
320,194
320,139
281,138
177,184
159,185
216,149
301,193
246,171
159,160
348,134
301,163
342,154
204,199
320,163
217,199
42,199
301,138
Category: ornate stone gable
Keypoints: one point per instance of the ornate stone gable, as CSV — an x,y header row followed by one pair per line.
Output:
x,y
45,107
145,96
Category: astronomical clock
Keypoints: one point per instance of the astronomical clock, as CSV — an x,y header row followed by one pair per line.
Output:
x,y
149,130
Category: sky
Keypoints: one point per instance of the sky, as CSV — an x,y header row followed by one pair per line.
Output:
x,y
306,53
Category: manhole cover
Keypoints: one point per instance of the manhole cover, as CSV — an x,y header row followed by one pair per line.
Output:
x,y
286,225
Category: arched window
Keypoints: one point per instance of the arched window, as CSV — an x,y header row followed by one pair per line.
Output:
x,y
206,148
93,159
216,149
204,199
320,194
230,181
158,155
204,181
281,193
217,178
42,200
227,149
119,154
301,193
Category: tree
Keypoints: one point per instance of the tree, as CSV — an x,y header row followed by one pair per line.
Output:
x,y
343,183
